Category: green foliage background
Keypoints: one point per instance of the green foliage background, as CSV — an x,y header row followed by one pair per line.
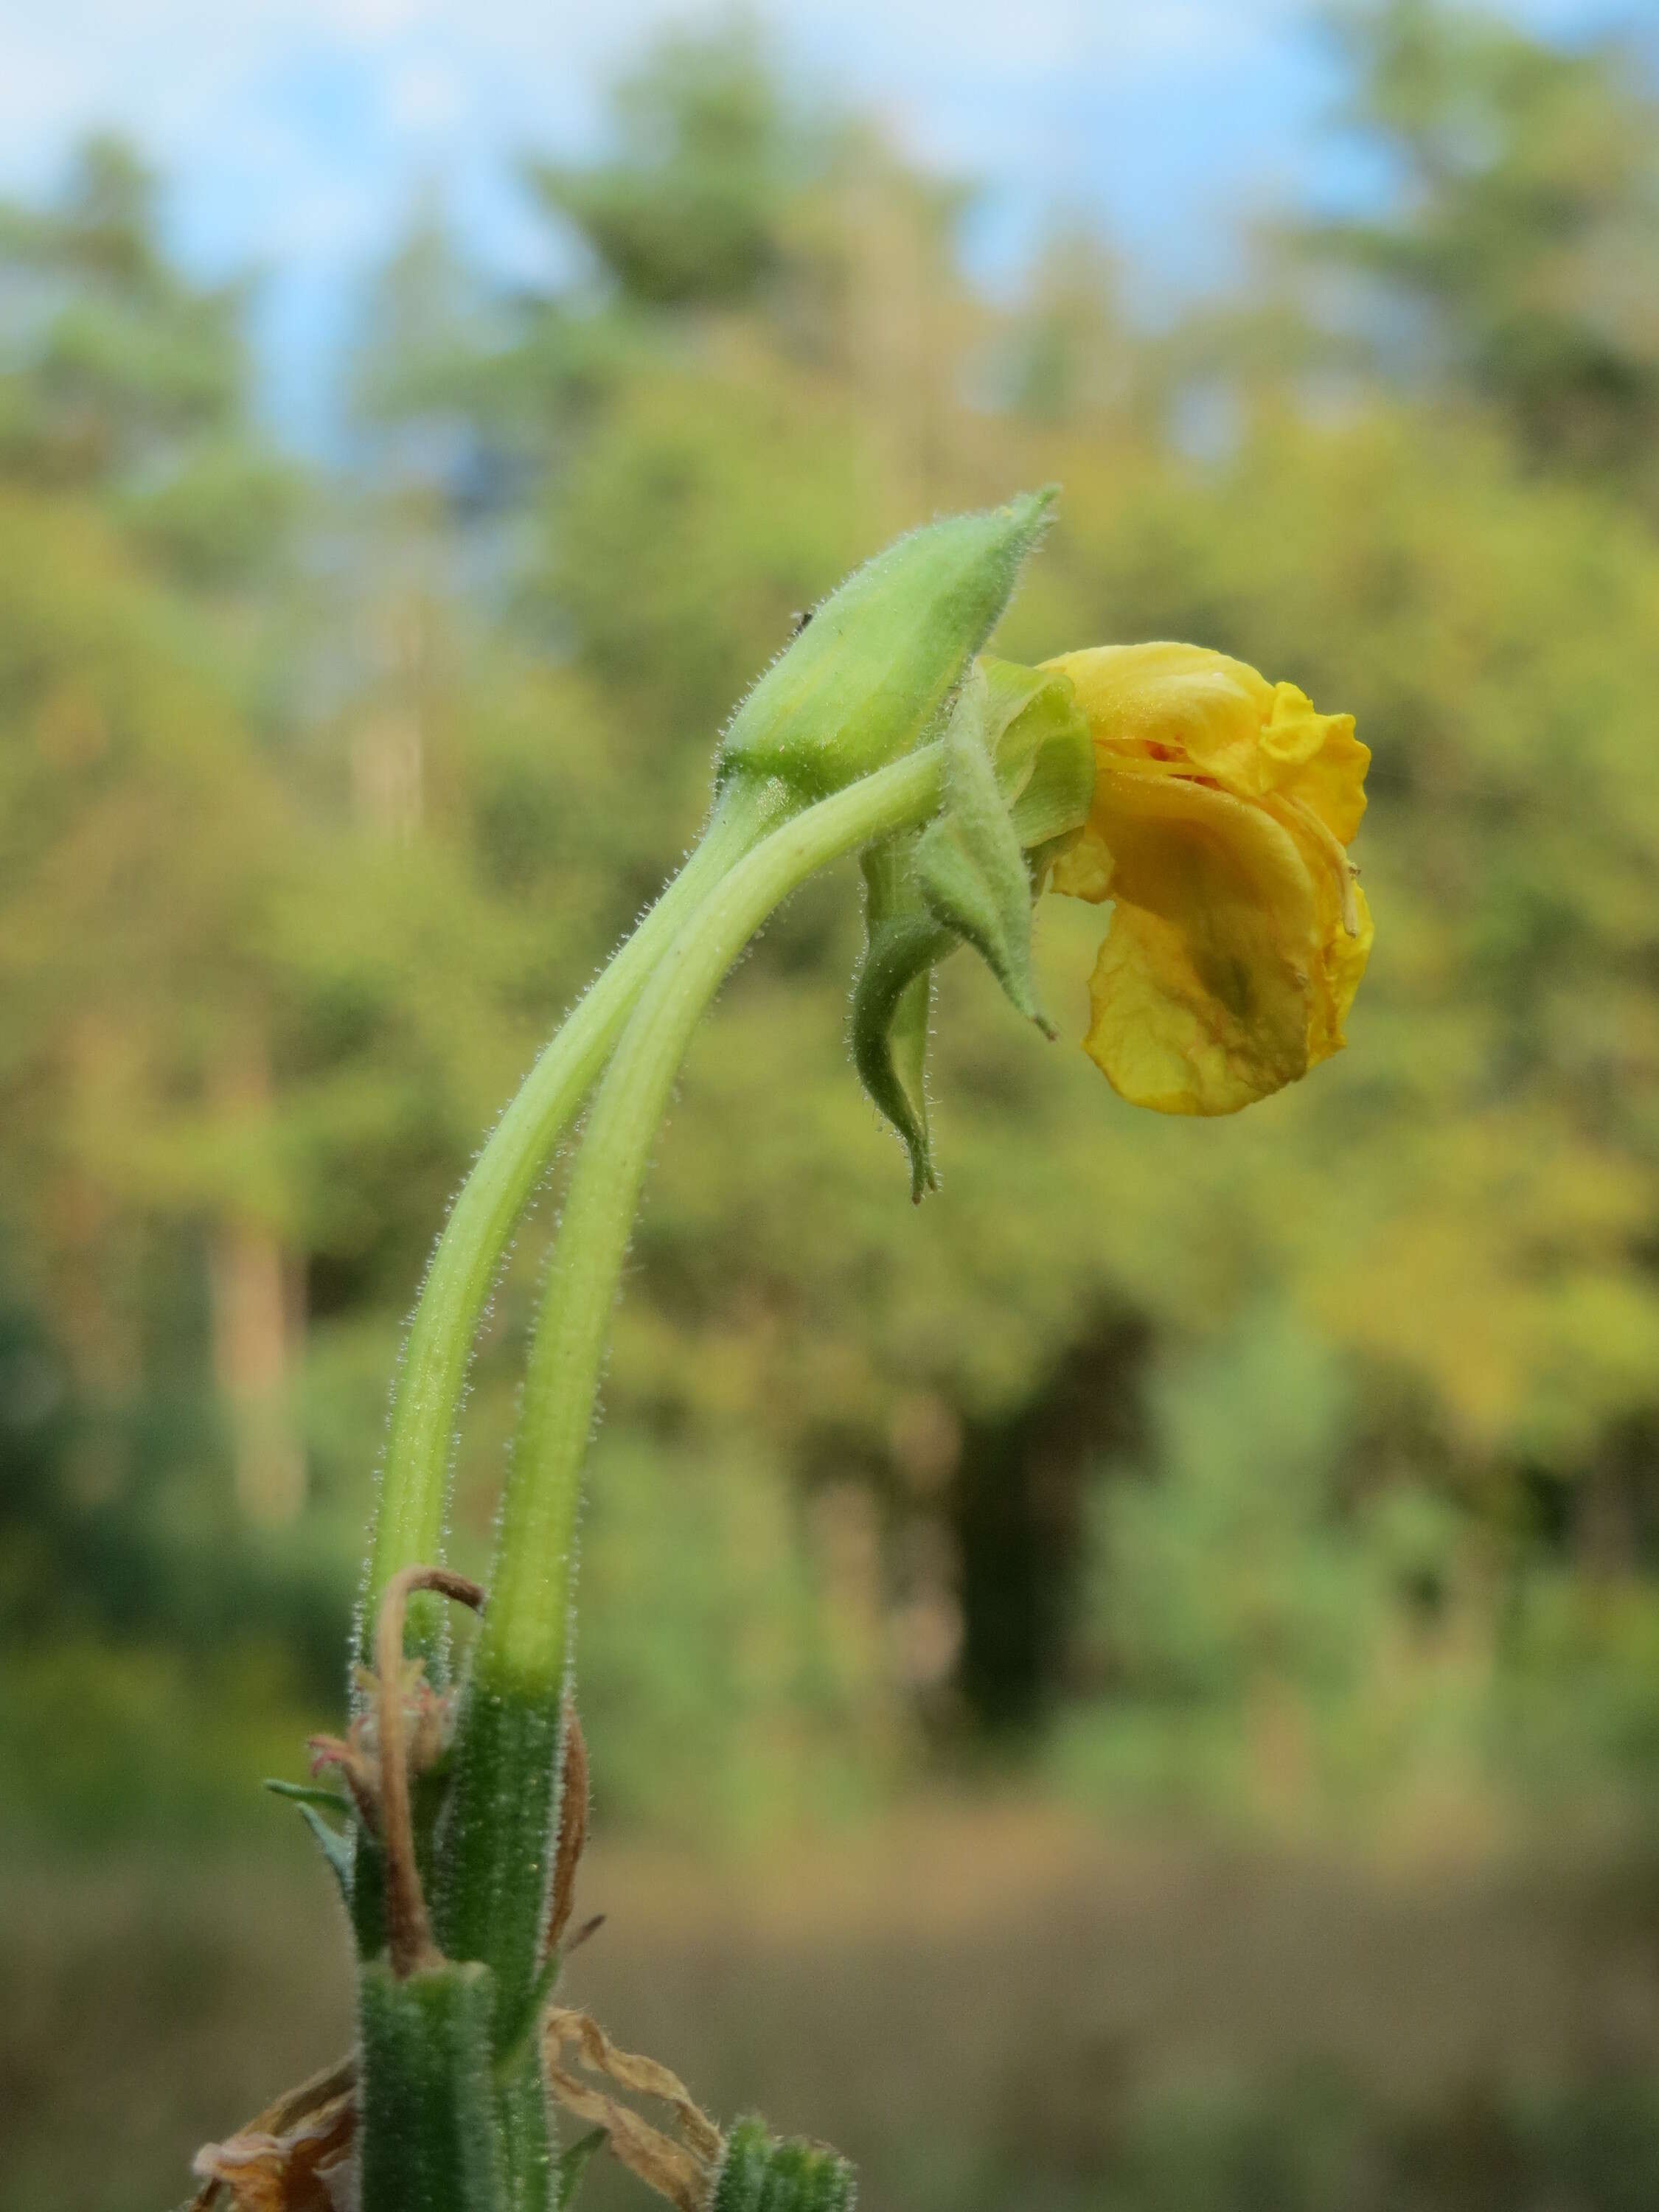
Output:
x,y
1302,1468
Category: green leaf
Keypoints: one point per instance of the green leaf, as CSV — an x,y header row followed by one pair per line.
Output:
x,y
335,1848
308,1793
970,866
893,997
574,2162
761,2174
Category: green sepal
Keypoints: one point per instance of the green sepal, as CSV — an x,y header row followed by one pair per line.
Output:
x,y
1045,755
760,2172
969,867
893,997
574,2162
1050,803
430,2133
1022,708
1044,768
867,679
335,1848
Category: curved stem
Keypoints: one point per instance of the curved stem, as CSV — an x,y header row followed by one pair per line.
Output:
x,y
505,1803
524,1632
409,1521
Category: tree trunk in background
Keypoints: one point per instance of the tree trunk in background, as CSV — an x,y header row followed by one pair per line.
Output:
x,y
1018,1502
96,1266
250,1282
903,337
387,774
95,1314
1604,1526
388,747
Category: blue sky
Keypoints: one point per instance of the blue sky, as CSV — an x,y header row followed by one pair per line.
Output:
x,y
296,132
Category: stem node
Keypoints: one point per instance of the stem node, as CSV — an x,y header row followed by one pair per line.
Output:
x,y
409,1929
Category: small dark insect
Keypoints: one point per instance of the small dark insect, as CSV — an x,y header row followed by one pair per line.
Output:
x,y
798,620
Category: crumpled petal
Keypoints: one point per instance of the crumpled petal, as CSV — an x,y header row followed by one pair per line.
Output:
x,y
1223,807
1201,992
1183,709
1316,759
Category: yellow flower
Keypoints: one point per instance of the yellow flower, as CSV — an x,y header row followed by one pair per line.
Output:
x,y
1223,810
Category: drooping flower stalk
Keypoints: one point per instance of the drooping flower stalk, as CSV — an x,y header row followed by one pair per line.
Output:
x,y
408,1523
826,746
504,1781
859,686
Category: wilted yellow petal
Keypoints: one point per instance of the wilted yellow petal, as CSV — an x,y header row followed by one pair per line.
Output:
x,y
1195,710
1201,994
1223,808
1323,763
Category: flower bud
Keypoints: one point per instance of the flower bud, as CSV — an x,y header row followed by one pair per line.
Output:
x,y
864,680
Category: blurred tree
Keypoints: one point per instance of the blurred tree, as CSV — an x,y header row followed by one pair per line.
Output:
x,y
1409,574
118,375
284,925
1069,354
688,211
139,1091
110,357
1518,260
122,383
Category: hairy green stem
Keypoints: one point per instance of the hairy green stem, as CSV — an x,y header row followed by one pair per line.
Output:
x,y
503,1810
523,1636
408,1524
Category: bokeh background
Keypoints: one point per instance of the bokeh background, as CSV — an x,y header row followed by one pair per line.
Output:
x,y
1135,1687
